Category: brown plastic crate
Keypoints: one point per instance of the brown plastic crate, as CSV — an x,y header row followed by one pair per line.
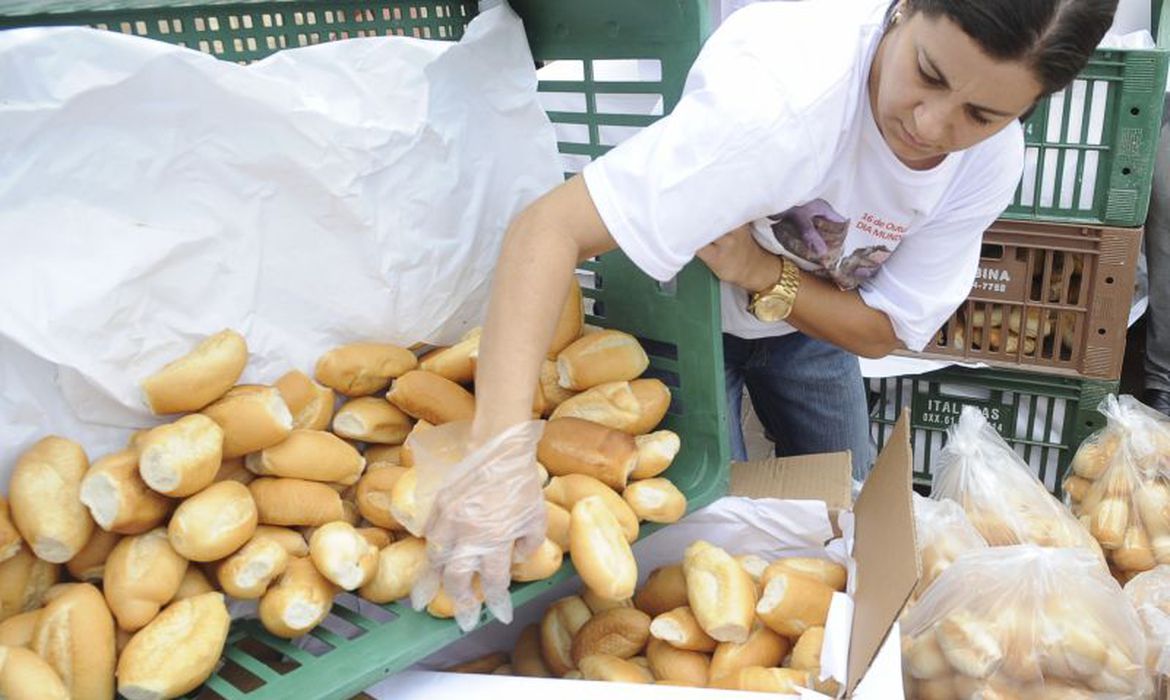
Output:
x,y
1074,286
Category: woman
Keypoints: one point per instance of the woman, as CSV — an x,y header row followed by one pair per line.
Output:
x,y
854,151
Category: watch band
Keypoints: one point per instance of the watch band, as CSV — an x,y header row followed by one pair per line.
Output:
x,y
782,294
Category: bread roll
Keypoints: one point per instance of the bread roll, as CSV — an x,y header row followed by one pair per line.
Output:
x,y
827,572
665,589
765,680
90,562
569,322
378,537
117,497
10,539
181,458
373,494
177,651
300,600
487,663
526,658
755,566
342,555
969,644
17,631
252,417
1135,552
620,632
75,635
600,551
314,455
923,658
454,363
443,605
720,593
399,566
1093,458
406,455
432,398
604,667
612,405
806,656
234,470
310,403
1077,487
656,452
384,454
248,573
194,583
214,522
558,525
362,369
143,573
544,562
792,603
26,676
681,630
690,668
403,506
199,377
653,403
762,648
576,446
656,500
551,393
295,502
598,604
371,419
23,582
937,689
606,356
560,624
290,540
565,491
44,499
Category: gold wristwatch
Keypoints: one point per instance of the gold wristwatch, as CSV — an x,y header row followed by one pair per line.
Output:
x,y
775,303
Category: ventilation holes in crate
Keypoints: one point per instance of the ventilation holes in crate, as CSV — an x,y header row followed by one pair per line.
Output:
x,y
1064,175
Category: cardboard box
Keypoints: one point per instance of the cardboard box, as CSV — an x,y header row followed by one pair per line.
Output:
x,y
883,572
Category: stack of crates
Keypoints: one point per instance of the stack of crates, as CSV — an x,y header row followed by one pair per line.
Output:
x,y
678,323
1050,304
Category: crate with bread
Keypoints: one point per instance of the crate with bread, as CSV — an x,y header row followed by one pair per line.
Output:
x,y
759,591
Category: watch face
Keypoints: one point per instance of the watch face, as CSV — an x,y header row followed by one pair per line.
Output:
x,y
771,309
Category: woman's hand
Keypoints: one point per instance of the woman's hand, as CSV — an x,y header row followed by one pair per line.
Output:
x,y
736,258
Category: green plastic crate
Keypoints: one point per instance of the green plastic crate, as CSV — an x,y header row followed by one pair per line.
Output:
x,y
678,322
1091,147
1043,417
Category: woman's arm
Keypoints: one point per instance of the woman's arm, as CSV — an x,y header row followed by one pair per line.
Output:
x,y
540,253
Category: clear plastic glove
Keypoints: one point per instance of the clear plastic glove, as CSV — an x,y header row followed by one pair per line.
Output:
x,y
474,509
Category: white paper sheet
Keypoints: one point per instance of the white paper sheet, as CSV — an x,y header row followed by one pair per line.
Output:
x,y
151,195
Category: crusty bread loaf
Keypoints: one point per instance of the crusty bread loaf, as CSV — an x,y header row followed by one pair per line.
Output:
x,y
576,446
295,502
75,635
10,539
23,582
922,657
177,651
827,572
372,419
565,491
541,564
762,648
299,600
557,525
443,605
969,644
403,506
560,623
399,566
373,494
310,403
806,656
315,455
792,603
199,377
17,631
669,663
665,589
653,403
612,404
194,583
764,680
606,667
720,593
600,551
377,536
214,522
90,562
605,356
181,458
621,632
552,394
342,555
143,573
656,452
234,470
406,455
117,497
569,322
681,630
526,657
44,499
26,676
432,398
362,369
292,541
454,362
248,573
252,417
388,454
656,500
599,604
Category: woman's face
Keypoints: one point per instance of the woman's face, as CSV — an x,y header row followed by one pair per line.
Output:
x,y
934,91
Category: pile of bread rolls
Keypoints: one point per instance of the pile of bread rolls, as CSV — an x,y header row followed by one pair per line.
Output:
x,y
286,495
1024,622
712,620
1149,592
1120,486
1005,502
943,533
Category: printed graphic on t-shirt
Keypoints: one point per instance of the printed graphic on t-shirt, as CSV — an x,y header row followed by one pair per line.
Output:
x,y
816,233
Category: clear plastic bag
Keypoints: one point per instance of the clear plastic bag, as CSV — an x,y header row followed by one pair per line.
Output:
x,y
944,532
1119,485
1149,592
1025,622
1005,502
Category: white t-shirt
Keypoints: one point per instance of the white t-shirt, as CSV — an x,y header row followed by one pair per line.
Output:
x,y
775,128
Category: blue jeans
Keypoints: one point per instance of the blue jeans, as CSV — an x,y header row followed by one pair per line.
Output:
x,y
808,394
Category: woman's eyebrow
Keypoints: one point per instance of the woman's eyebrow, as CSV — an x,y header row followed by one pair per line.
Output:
x,y
942,79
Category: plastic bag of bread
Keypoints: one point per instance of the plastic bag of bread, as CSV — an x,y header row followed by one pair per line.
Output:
x,y
1120,486
1005,502
1150,594
944,532
1025,622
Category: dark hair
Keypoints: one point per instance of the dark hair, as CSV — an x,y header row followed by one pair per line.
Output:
x,y
1052,37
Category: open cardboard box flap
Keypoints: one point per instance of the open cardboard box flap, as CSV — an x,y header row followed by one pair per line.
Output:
x,y
884,547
